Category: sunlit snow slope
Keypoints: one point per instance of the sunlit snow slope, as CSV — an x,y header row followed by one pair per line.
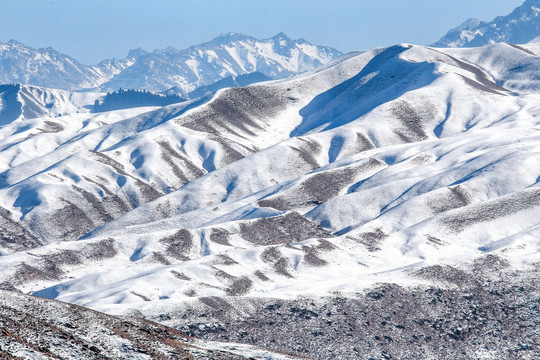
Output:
x,y
378,165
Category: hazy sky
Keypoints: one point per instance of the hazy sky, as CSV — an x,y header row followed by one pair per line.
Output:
x,y
91,30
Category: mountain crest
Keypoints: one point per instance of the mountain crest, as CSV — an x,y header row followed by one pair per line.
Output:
x,y
228,55
520,26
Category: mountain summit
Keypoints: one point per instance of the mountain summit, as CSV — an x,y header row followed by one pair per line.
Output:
x,y
227,55
519,27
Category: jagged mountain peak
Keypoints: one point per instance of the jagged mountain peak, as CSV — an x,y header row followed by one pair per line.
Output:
x,y
519,27
227,55
280,35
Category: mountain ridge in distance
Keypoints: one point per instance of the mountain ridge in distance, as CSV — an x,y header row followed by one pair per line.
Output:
x,y
520,26
231,54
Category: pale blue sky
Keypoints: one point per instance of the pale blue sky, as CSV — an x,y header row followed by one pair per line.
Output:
x,y
91,30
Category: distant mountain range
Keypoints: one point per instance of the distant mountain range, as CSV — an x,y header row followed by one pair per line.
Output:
x,y
185,70
519,27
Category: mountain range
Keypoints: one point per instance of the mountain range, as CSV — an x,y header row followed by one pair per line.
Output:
x,y
293,203
384,204
185,70
521,26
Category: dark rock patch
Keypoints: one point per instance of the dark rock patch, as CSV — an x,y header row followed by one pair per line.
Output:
x,y
101,250
502,207
179,244
239,286
71,221
411,120
180,276
220,236
273,256
371,240
282,229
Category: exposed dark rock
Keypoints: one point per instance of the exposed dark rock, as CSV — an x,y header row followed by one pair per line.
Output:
x,y
101,250
179,244
282,229
220,236
40,328
498,318
278,261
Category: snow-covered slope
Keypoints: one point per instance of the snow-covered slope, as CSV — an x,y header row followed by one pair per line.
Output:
x,y
405,165
29,102
185,70
520,26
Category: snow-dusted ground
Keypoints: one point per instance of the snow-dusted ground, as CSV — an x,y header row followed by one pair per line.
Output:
x,y
34,328
366,171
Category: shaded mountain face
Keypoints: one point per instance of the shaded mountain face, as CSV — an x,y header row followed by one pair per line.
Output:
x,y
519,27
401,178
229,55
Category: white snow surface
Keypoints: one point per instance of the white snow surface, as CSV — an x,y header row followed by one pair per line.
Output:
x,y
323,184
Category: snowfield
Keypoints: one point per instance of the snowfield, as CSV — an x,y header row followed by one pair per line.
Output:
x,y
405,169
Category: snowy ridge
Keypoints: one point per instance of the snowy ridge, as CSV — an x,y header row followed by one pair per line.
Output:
x,y
232,54
518,27
407,165
185,70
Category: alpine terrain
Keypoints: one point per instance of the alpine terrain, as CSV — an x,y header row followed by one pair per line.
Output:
x,y
183,71
382,206
519,27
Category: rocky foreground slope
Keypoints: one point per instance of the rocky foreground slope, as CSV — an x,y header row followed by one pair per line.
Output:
x,y
384,206
34,328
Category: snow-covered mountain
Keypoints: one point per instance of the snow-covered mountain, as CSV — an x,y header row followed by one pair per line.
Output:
x,y
390,195
228,55
232,54
520,26
49,68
